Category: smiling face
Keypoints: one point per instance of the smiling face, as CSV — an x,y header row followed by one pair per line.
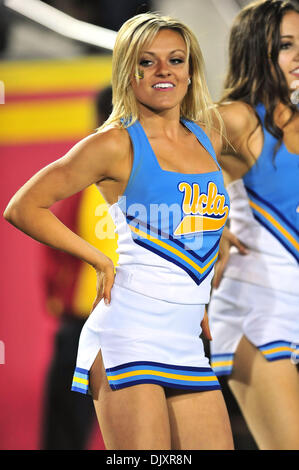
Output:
x,y
288,58
164,66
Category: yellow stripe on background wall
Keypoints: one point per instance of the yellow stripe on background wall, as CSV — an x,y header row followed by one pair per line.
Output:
x,y
56,75
50,100
50,120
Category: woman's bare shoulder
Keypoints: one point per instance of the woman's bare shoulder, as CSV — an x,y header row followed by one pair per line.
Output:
x,y
112,140
102,148
95,157
242,137
239,118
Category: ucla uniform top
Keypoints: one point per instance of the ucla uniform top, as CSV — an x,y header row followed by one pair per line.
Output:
x,y
265,216
169,225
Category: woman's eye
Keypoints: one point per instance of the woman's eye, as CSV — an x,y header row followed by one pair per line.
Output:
x,y
285,45
145,62
177,61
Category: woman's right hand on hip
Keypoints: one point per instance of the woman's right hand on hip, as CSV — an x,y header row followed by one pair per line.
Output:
x,y
105,280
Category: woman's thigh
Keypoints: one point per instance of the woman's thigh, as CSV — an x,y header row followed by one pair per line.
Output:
x,y
130,418
268,395
199,421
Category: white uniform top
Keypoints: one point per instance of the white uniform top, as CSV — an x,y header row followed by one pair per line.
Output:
x,y
268,263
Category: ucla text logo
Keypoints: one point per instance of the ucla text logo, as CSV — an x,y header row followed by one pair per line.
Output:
x,y
203,212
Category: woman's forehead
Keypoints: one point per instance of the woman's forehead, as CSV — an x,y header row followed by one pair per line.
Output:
x,y
165,39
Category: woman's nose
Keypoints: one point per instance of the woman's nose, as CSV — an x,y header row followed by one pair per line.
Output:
x,y
163,69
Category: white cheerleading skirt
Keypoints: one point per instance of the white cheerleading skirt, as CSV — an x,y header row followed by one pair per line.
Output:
x,y
144,340
268,318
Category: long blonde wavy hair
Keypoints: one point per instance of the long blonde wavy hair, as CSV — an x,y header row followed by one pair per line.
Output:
x,y
132,38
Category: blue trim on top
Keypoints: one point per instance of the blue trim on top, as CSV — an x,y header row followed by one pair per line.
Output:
x,y
175,241
259,198
197,278
200,134
276,235
261,111
168,258
136,141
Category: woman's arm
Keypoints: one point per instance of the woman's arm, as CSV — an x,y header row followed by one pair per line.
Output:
x,y
94,159
228,239
243,141
235,159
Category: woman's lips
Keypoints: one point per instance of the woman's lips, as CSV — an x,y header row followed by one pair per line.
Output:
x,y
163,86
295,72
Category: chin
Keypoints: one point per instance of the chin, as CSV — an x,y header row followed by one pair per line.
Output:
x,y
159,107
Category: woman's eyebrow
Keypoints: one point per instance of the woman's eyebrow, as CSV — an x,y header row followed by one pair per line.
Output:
x,y
153,53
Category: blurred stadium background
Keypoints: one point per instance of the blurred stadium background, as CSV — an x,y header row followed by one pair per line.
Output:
x,y
51,69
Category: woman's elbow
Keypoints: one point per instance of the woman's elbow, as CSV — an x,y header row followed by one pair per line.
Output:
x,y
12,212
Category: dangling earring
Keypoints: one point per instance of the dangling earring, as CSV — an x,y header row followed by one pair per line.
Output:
x,y
189,81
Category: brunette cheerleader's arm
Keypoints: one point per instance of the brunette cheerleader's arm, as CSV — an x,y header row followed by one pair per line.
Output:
x,y
228,239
